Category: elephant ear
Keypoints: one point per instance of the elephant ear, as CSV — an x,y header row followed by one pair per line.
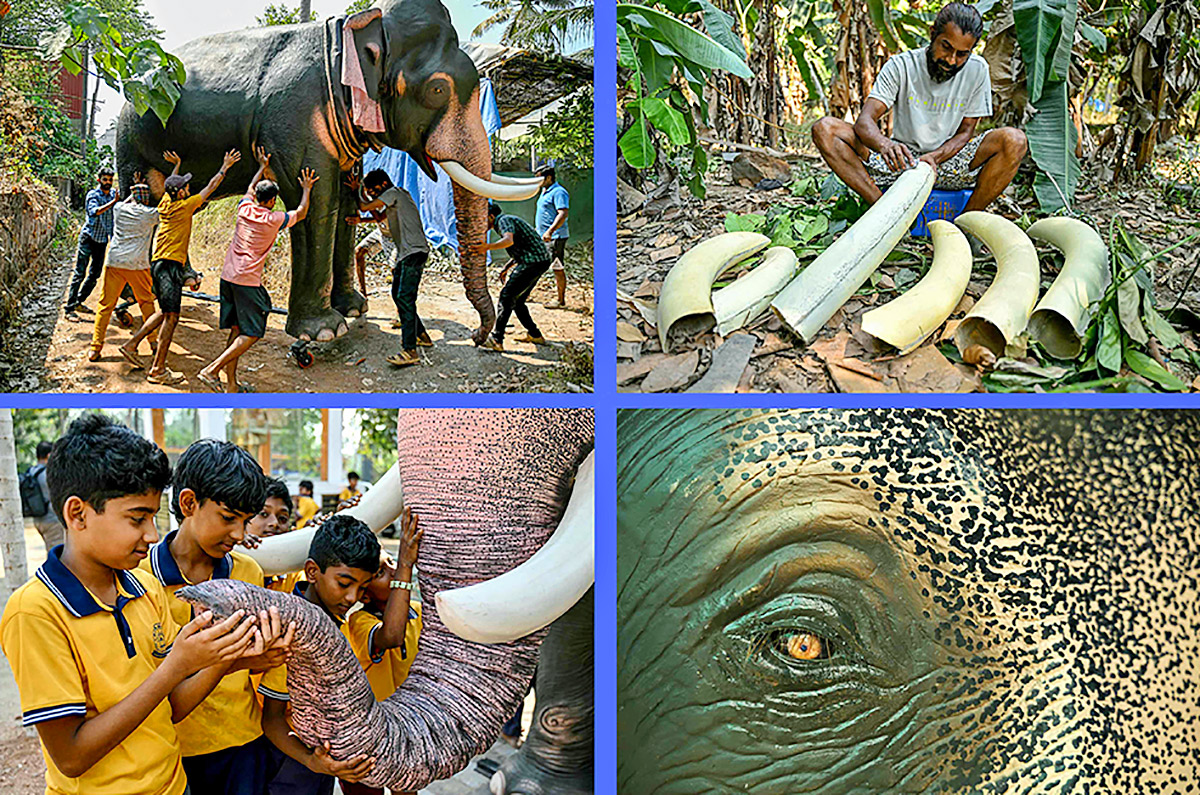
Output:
x,y
371,46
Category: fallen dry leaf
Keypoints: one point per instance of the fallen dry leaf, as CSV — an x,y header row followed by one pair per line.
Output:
x,y
833,349
850,381
635,370
628,332
772,344
964,305
666,253
927,370
665,239
948,330
672,373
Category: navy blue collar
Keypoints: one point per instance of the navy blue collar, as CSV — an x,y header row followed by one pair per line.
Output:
x,y
300,589
167,570
67,588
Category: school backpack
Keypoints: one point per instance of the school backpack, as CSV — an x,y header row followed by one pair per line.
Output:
x,y
33,502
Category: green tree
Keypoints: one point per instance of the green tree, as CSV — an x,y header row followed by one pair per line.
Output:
x,y
568,134
377,438
538,24
281,15
359,5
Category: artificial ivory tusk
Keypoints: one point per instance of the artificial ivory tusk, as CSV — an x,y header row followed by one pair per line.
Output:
x,y
378,508
737,304
906,321
488,189
1003,312
1059,320
687,290
501,609
500,179
810,300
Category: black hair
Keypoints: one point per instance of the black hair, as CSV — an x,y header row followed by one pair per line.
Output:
x,y
306,484
105,171
265,191
345,541
547,171
493,209
98,459
222,472
277,488
966,18
377,179
44,448
352,475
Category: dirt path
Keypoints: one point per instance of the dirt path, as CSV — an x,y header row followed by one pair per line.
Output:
x,y
54,349
843,358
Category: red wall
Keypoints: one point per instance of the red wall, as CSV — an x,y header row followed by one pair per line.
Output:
x,y
71,88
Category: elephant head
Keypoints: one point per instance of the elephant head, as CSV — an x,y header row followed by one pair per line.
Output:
x,y
503,556
912,601
426,92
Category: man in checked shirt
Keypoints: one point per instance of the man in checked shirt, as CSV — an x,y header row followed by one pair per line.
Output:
x,y
93,240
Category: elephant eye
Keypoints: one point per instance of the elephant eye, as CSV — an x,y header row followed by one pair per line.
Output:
x,y
437,93
802,645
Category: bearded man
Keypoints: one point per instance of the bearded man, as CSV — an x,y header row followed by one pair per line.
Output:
x,y
937,95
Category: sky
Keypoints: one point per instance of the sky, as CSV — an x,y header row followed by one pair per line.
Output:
x,y
182,22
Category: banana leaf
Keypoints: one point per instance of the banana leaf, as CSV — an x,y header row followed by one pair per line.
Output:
x,y
689,43
881,18
1052,141
1046,32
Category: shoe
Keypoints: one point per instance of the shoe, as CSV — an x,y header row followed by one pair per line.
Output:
x,y
74,318
167,378
491,344
93,356
404,359
397,324
533,339
85,310
424,341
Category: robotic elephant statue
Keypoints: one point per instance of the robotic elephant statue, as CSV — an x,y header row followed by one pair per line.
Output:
x,y
908,601
507,550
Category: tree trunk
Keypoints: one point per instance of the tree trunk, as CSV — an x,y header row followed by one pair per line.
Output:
x,y
748,111
860,56
83,102
305,10
12,524
91,125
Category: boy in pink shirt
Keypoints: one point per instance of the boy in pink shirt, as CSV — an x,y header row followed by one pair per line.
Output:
x,y
244,301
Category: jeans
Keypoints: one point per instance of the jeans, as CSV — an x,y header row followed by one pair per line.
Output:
x,y
514,294
406,278
85,276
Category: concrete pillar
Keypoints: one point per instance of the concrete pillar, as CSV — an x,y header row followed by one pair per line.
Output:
x,y
337,475
212,423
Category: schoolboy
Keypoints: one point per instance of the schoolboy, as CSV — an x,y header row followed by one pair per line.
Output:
x,y
167,266
306,506
342,561
245,303
102,668
275,517
217,489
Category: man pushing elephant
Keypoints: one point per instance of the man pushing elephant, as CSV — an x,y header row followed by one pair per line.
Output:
x,y
318,95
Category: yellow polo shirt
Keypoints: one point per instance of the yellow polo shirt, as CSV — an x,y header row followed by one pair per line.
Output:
x,y
175,227
284,583
306,509
230,716
385,672
72,654
347,494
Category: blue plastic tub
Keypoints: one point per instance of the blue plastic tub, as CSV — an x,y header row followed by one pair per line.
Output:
x,y
943,205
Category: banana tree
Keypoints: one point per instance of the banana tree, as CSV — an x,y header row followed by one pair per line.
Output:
x,y
662,55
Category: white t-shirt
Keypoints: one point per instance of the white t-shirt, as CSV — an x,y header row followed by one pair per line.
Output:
x,y
133,226
926,114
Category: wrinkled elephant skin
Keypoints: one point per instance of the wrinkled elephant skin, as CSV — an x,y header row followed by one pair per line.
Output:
x,y
908,601
556,757
280,87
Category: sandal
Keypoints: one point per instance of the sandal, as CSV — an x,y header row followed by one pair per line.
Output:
x,y
245,389
167,377
213,382
93,356
490,344
132,358
404,359
424,341
533,339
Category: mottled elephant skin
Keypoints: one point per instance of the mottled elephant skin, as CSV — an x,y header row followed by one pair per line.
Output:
x,y
488,487
908,601
556,757
272,87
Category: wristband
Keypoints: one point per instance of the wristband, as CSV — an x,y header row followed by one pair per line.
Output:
x,y
394,584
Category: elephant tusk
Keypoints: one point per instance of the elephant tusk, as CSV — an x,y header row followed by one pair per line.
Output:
x,y
906,321
687,290
487,188
379,507
500,179
1061,316
560,573
1002,313
741,302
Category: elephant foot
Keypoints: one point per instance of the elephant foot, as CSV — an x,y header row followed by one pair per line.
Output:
x,y
350,303
321,327
523,778
481,333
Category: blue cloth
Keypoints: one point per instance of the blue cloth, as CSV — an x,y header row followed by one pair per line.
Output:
x,y
99,227
435,200
553,199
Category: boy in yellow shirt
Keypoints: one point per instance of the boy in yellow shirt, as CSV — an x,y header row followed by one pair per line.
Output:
x,y
342,561
167,263
306,506
217,489
103,670
351,491
275,517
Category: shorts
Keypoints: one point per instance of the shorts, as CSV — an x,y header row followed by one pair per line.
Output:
x,y
377,243
245,307
241,770
168,284
954,174
558,253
